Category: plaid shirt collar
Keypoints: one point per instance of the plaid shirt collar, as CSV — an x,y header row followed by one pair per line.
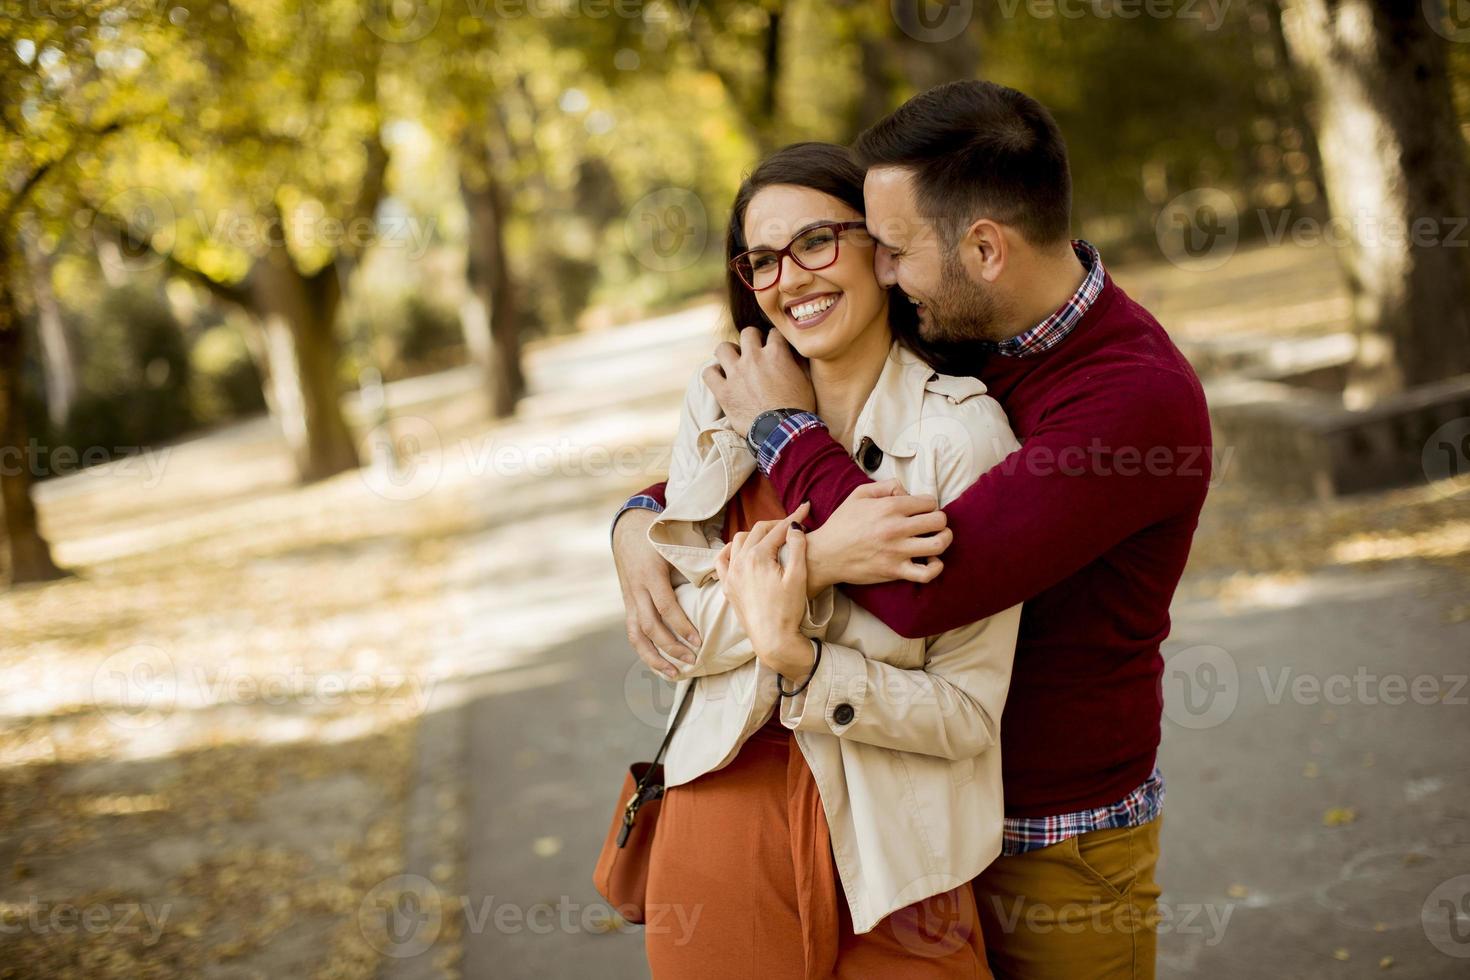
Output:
x,y
1054,329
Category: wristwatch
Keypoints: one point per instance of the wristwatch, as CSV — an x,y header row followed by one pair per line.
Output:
x,y
765,423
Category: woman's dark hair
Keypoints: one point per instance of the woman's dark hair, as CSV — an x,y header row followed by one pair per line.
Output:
x,y
824,167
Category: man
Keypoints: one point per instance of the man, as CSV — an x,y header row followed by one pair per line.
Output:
x,y
968,192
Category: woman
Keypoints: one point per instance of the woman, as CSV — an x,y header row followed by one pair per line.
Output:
x,y
829,827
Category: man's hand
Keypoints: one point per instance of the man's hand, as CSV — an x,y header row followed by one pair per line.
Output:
x,y
875,536
758,377
653,612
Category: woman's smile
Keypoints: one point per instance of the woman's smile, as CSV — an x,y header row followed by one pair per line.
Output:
x,y
807,311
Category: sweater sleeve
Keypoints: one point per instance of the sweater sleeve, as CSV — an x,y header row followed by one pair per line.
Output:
x,y
1103,464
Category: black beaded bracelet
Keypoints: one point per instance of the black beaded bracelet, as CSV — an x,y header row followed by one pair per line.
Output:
x,y
816,645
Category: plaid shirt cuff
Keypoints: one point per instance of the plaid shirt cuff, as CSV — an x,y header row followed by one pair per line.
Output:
x,y
1022,834
639,501
780,438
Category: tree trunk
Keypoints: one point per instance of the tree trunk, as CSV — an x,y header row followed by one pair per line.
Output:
x,y
491,324
1393,162
58,353
30,555
298,314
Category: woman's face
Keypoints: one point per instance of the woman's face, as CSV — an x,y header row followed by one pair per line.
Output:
x,y
819,313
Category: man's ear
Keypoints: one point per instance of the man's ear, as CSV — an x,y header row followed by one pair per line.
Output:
x,y
984,250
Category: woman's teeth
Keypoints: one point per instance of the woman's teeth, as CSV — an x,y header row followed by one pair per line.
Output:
x,y
806,311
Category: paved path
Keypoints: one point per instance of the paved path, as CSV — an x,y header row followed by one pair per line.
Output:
x,y
1316,796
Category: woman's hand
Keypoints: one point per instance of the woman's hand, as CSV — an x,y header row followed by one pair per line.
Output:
x,y
770,599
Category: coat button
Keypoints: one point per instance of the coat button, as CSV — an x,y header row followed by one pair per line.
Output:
x,y
842,714
869,455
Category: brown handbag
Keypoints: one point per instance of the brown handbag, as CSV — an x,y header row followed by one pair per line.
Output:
x,y
621,875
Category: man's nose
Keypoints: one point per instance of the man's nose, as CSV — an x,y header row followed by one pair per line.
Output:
x,y
883,268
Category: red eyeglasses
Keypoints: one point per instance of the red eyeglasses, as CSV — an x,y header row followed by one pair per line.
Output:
x,y
812,249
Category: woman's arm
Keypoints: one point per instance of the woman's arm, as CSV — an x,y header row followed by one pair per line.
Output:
x,y
950,707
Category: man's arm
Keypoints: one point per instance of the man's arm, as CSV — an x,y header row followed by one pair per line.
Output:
x,y
1082,482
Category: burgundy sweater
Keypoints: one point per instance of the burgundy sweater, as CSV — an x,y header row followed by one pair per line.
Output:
x,y
1089,523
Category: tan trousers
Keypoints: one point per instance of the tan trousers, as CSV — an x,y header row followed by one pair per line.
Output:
x,y
1086,907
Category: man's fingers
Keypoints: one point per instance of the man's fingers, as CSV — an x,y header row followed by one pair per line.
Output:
x,y
911,572
929,522
751,339
674,618
647,652
882,488
914,503
795,570
927,546
651,622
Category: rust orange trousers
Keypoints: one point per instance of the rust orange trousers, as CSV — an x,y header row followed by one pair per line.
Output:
x,y
742,885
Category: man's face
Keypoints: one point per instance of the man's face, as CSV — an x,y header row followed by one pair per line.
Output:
x,y
914,256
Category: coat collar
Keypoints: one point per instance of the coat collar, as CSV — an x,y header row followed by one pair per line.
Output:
x,y
714,467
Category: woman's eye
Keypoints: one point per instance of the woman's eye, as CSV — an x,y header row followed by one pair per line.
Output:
x,y
761,262
818,240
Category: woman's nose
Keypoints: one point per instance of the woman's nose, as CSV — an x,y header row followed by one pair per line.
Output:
x,y
793,274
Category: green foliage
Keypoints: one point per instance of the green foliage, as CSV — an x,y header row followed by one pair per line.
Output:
x,y
225,382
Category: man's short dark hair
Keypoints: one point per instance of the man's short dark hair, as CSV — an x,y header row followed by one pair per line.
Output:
x,y
978,150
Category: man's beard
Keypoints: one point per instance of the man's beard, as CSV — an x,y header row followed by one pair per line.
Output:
x,y
962,310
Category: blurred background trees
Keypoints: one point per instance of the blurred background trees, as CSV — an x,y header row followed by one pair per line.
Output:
x,y
213,209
